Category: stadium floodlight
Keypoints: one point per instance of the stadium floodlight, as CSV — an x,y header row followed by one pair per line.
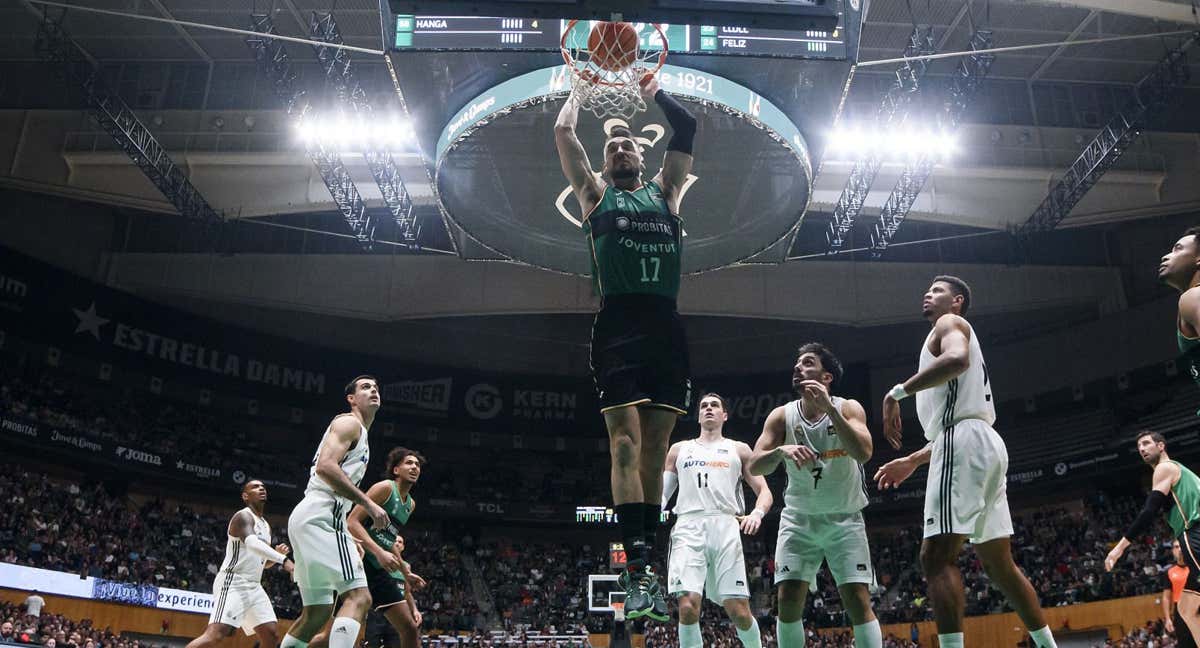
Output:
x,y
904,144
354,134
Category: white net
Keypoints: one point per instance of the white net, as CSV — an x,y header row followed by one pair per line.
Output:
x,y
608,62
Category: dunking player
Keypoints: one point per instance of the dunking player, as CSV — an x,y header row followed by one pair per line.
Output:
x,y
639,353
1177,577
239,598
966,496
1176,490
388,575
706,551
326,559
823,441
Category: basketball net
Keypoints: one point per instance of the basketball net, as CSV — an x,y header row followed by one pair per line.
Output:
x,y
615,92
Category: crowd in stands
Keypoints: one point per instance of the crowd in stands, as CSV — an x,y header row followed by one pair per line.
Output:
x,y
18,624
1151,635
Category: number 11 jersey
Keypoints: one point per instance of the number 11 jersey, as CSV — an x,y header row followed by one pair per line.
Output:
x,y
710,478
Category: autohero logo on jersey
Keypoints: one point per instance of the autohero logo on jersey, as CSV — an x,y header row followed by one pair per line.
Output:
x,y
704,463
130,454
426,396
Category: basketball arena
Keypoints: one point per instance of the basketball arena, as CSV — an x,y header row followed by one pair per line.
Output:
x,y
598,324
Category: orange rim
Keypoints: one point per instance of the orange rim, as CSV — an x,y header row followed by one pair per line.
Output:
x,y
570,60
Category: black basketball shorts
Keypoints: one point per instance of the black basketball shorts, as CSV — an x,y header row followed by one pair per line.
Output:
x,y
385,590
639,354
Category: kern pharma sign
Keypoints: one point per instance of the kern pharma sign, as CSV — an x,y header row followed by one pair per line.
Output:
x,y
49,581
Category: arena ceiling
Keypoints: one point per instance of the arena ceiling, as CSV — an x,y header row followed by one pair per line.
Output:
x,y
1006,171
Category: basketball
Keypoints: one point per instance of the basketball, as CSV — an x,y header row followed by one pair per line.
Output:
x,y
613,46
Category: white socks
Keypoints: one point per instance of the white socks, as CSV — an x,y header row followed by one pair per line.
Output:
x,y
343,633
952,640
750,637
1043,638
291,642
868,635
790,634
689,636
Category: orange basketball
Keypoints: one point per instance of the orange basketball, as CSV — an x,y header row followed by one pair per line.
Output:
x,y
613,46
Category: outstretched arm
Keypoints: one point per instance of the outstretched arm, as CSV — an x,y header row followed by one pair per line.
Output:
x,y
677,163
574,159
1165,476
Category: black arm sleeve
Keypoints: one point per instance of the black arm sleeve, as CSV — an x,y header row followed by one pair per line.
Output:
x,y
683,124
1156,501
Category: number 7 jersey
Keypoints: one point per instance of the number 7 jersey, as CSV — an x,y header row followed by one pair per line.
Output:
x,y
835,483
709,478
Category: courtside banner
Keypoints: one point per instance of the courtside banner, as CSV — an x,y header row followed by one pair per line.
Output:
x,y
48,581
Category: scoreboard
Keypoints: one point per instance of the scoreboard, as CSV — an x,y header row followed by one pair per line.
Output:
x,y
466,33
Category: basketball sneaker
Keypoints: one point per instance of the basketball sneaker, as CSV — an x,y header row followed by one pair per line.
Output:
x,y
643,595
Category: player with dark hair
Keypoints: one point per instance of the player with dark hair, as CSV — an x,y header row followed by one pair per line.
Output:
x,y
706,554
966,496
1175,490
639,354
822,441
327,563
238,595
389,578
1180,269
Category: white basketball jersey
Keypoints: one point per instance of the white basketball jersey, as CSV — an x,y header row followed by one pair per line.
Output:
x,y
354,464
967,396
239,561
710,478
835,483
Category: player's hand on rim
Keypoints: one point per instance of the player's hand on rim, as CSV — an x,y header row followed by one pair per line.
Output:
x,y
893,473
798,454
893,429
648,85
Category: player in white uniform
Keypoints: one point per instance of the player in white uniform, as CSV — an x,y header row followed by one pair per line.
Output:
x,y
966,497
327,559
706,548
822,441
238,596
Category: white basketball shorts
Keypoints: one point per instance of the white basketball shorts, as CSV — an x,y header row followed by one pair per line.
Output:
x,y
706,557
967,493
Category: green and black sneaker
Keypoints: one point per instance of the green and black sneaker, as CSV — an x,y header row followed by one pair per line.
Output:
x,y
637,601
643,595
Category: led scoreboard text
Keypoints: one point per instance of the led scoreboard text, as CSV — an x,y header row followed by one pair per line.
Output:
x,y
489,33
603,515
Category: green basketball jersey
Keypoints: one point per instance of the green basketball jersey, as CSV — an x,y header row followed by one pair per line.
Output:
x,y
635,243
398,510
1189,348
1186,495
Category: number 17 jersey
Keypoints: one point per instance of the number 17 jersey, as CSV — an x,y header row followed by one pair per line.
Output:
x,y
635,243
835,483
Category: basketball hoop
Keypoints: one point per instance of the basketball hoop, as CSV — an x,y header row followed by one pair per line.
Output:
x,y
607,63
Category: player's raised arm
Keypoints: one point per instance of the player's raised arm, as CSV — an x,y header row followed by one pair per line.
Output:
x,y
343,434
573,157
677,163
951,342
